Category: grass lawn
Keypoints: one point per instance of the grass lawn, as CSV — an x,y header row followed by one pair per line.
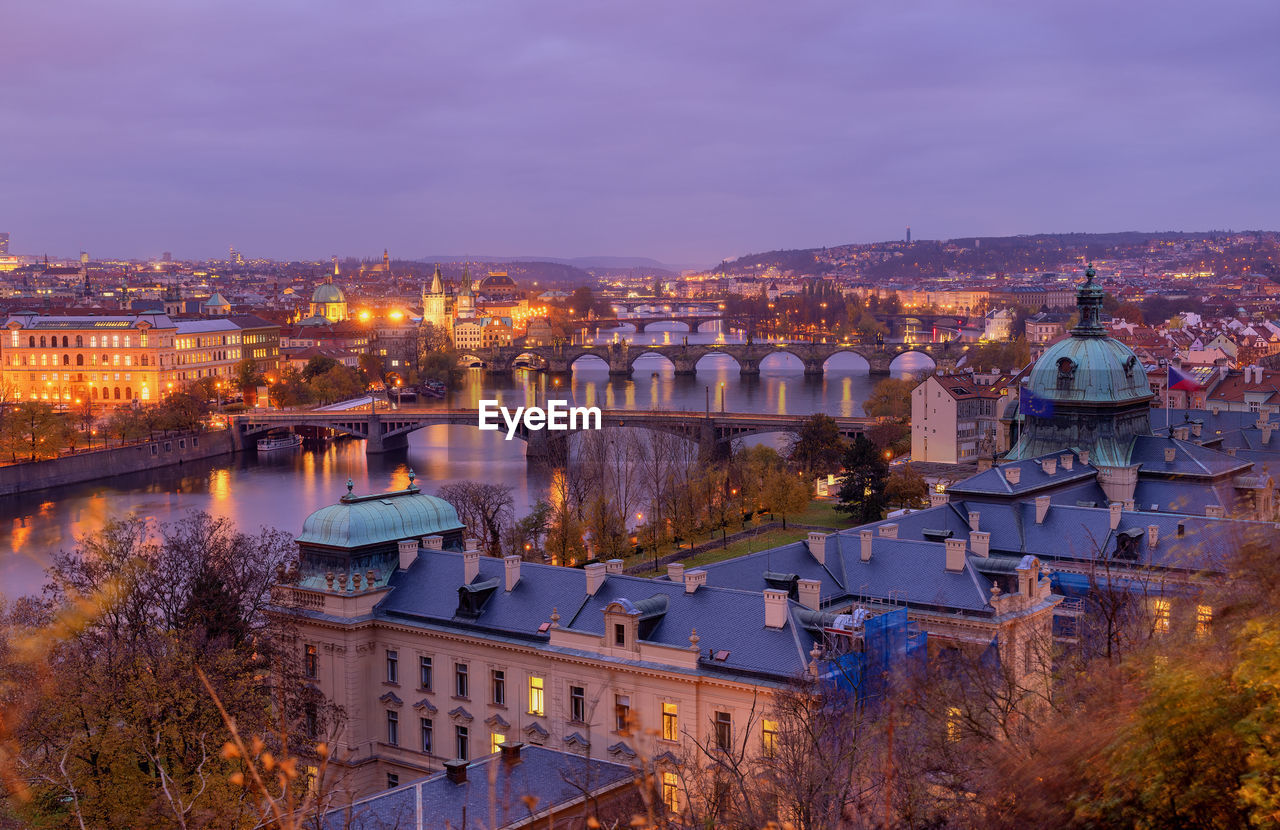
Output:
x,y
818,513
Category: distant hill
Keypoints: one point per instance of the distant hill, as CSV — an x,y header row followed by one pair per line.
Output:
x,y
594,263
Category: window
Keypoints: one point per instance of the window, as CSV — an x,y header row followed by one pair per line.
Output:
x,y
312,719
13,339
310,661
499,687
393,666
424,731
670,722
622,713
1204,620
1160,616
537,703
724,731
769,738
578,704
460,687
496,740
953,723
671,791
393,780
619,634
462,743
424,673
393,728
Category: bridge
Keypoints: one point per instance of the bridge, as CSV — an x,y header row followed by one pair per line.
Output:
x,y
692,322
621,357
388,430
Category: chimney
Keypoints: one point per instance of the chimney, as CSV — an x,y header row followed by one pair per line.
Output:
x,y
433,542
1117,509
938,499
980,542
470,563
1170,453
1153,535
1196,429
1013,474
1266,433
595,577
512,564
1042,508
955,554
1049,465
1215,408
613,566
510,751
1128,504
1067,461
693,580
865,539
818,547
675,572
1084,456
974,516
1215,511
456,771
809,589
408,552
1182,433
775,608
889,531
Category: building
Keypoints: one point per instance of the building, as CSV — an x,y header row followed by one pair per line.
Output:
x,y
483,333
438,304
206,348
328,304
71,359
260,340
566,789
497,286
953,414
4,243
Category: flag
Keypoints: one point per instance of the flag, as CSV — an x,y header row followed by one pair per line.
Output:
x,y
1181,380
1032,404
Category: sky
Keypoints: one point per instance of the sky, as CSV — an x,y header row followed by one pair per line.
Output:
x,y
684,131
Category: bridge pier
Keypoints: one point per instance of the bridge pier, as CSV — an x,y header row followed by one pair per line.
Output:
x,y
878,363
814,368
685,366
549,449
749,367
376,443
619,360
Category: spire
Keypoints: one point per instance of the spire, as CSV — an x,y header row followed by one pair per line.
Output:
x,y
1089,297
437,285
335,265
386,261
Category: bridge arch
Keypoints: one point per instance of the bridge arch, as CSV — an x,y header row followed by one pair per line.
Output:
x,y
916,360
470,361
591,358
850,361
784,359
650,356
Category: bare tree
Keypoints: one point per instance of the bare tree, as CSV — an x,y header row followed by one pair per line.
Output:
x,y
486,509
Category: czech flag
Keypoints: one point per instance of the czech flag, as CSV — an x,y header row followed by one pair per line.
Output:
x,y
1182,380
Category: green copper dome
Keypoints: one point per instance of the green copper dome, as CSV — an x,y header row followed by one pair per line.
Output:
x,y
327,292
1090,370
364,521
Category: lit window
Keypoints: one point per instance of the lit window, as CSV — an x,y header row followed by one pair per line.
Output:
x,y
953,723
310,662
769,738
1160,615
1204,619
670,722
496,740
537,703
671,791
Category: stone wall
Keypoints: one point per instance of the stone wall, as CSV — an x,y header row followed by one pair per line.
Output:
x,y
89,466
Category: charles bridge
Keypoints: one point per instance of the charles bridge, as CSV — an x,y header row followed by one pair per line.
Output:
x,y
621,357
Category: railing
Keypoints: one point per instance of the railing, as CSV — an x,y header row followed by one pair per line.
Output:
x,y
297,597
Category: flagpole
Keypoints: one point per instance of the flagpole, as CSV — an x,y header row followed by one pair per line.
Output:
x,y
1166,397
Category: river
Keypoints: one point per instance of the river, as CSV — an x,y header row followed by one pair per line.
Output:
x,y
280,490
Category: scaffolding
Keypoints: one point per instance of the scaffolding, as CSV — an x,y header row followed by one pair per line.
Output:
x,y
873,649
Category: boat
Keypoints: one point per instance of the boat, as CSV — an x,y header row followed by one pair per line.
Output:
x,y
279,442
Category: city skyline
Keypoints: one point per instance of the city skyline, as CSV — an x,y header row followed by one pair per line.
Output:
x,y
560,132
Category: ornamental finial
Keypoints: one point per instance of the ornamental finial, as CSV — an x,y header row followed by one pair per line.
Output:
x,y
351,485
412,476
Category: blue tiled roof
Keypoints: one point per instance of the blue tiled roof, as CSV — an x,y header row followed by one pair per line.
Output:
x,y
1032,479
1189,459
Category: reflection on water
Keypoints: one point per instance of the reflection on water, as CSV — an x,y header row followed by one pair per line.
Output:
x,y
280,489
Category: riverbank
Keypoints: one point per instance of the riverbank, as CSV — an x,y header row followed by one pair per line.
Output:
x,y
30,476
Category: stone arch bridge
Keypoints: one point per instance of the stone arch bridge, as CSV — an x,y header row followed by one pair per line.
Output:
x,y
388,430
621,357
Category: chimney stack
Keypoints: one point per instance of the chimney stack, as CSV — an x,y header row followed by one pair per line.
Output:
x,y
889,531
1153,535
775,608
1084,457
408,552
433,542
1215,511
1042,508
938,499
1067,461
865,539
974,517
470,563
809,590
955,554
595,577
675,572
980,542
1117,509
1049,465
693,580
1170,453
512,564
510,751
456,771
1267,429
818,547
613,566
1013,474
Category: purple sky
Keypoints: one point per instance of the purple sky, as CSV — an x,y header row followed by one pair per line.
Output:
x,y
685,130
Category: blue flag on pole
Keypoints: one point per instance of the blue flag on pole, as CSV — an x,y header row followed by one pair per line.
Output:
x,y
1031,404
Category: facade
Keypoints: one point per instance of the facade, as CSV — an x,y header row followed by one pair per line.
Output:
x,y
106,360
206,348
260,340
953,414
328,304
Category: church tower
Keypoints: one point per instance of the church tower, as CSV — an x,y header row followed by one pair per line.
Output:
x,y
435,304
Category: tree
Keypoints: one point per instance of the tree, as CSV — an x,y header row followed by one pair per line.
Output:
x,y
247,377
337,383
486,510
817,446
291,390
905,487
371,368
564,537
607,527
34,430
891,398
862,489
318,365
786,493
524,537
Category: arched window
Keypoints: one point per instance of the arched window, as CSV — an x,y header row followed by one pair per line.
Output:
x,y
128,393
93,341
95,393
1066,374
79,360
31,342
66,360
106,361
64,341
42,341
144,360
117,391
79,341
106,394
